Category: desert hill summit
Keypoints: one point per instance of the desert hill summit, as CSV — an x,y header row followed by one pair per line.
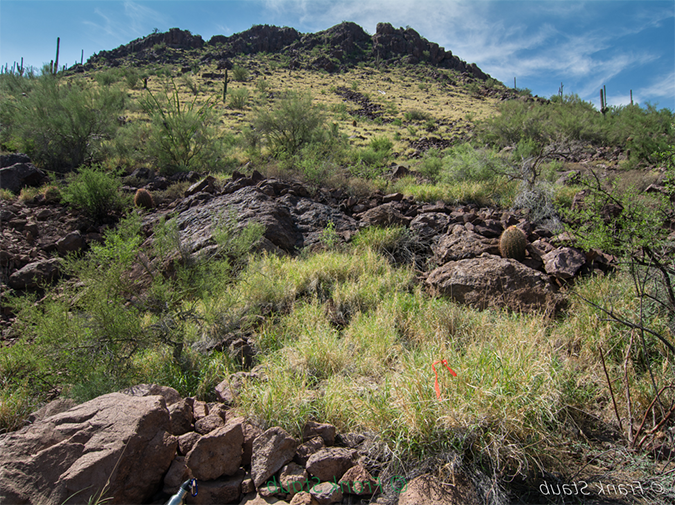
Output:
x,y
332,50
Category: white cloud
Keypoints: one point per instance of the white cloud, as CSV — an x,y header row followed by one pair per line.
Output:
x,y
119,27
663,87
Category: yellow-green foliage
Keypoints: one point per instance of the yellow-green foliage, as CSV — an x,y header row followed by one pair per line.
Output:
x,y
512,243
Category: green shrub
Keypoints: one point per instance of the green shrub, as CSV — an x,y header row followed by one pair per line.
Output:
x,y
417,115
94,191
464,163
292,124
61,125
238,98
432,164
239,74
181,136
381,144
108,77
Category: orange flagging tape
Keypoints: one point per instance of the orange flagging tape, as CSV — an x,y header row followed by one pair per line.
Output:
x,y
436,386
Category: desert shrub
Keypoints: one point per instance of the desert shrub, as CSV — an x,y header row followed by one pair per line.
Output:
x,y
238,98
239,73
292,124
431,165
94,191
381,144
108,77
181,135
417,115
61,125
464,163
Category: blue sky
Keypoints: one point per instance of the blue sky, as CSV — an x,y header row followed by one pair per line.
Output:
x,y
623,45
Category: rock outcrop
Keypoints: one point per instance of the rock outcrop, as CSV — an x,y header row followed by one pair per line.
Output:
x,y
101,447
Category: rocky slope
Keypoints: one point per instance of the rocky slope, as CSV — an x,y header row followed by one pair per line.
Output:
x,y
335,49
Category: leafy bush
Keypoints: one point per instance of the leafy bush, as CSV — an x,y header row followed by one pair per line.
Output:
x,y
292,124
182,137
95,191
239,73
417,115
238,98
464,163
645,131
61,125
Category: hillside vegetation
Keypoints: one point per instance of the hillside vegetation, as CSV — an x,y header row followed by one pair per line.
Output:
x,y
345,332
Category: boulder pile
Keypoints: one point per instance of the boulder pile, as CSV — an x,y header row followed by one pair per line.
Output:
x,y
141,444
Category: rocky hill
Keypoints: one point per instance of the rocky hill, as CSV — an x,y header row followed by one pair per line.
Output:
x,y
334,49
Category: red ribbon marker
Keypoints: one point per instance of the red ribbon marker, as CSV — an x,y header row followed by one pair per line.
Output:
x,y
436,386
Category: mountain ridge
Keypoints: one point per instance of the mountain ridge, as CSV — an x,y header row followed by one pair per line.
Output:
x,y
335,49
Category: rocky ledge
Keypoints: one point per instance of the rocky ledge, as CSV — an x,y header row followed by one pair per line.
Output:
x,y
141,444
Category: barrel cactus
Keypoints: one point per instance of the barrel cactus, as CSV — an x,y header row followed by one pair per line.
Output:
x,y
143,199
512,243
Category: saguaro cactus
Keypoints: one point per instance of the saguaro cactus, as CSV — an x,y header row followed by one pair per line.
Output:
x,y
56,62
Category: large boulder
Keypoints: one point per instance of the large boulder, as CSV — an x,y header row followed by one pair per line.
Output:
x,y
117,445
36,274
492,281
21,175
290,222
462,244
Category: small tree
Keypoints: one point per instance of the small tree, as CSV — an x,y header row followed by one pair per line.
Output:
x,y
295,122
181,137
61,125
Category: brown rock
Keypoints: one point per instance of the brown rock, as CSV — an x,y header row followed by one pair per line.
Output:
x,y
564,262
304,498
331,463
357,480
72,242
187,441
384,215
271,450
255,499
51,409
109,441
426,489
492,281
181,417
251,432
209,423
326,493
206,184
218,453
223,490
293,478
461,244
170,395
177,474
199,409
310,447
36,274
313,429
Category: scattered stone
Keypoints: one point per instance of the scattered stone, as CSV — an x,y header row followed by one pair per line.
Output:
x,y
271,451
305,450
209,423
326,493
187,441
564,262
331,463
218,453
73,242
169,394
384,215
293,478
325,431
357,480
223,490
20,175
181,417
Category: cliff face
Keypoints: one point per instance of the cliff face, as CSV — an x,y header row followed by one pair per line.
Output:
x,y
336,48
